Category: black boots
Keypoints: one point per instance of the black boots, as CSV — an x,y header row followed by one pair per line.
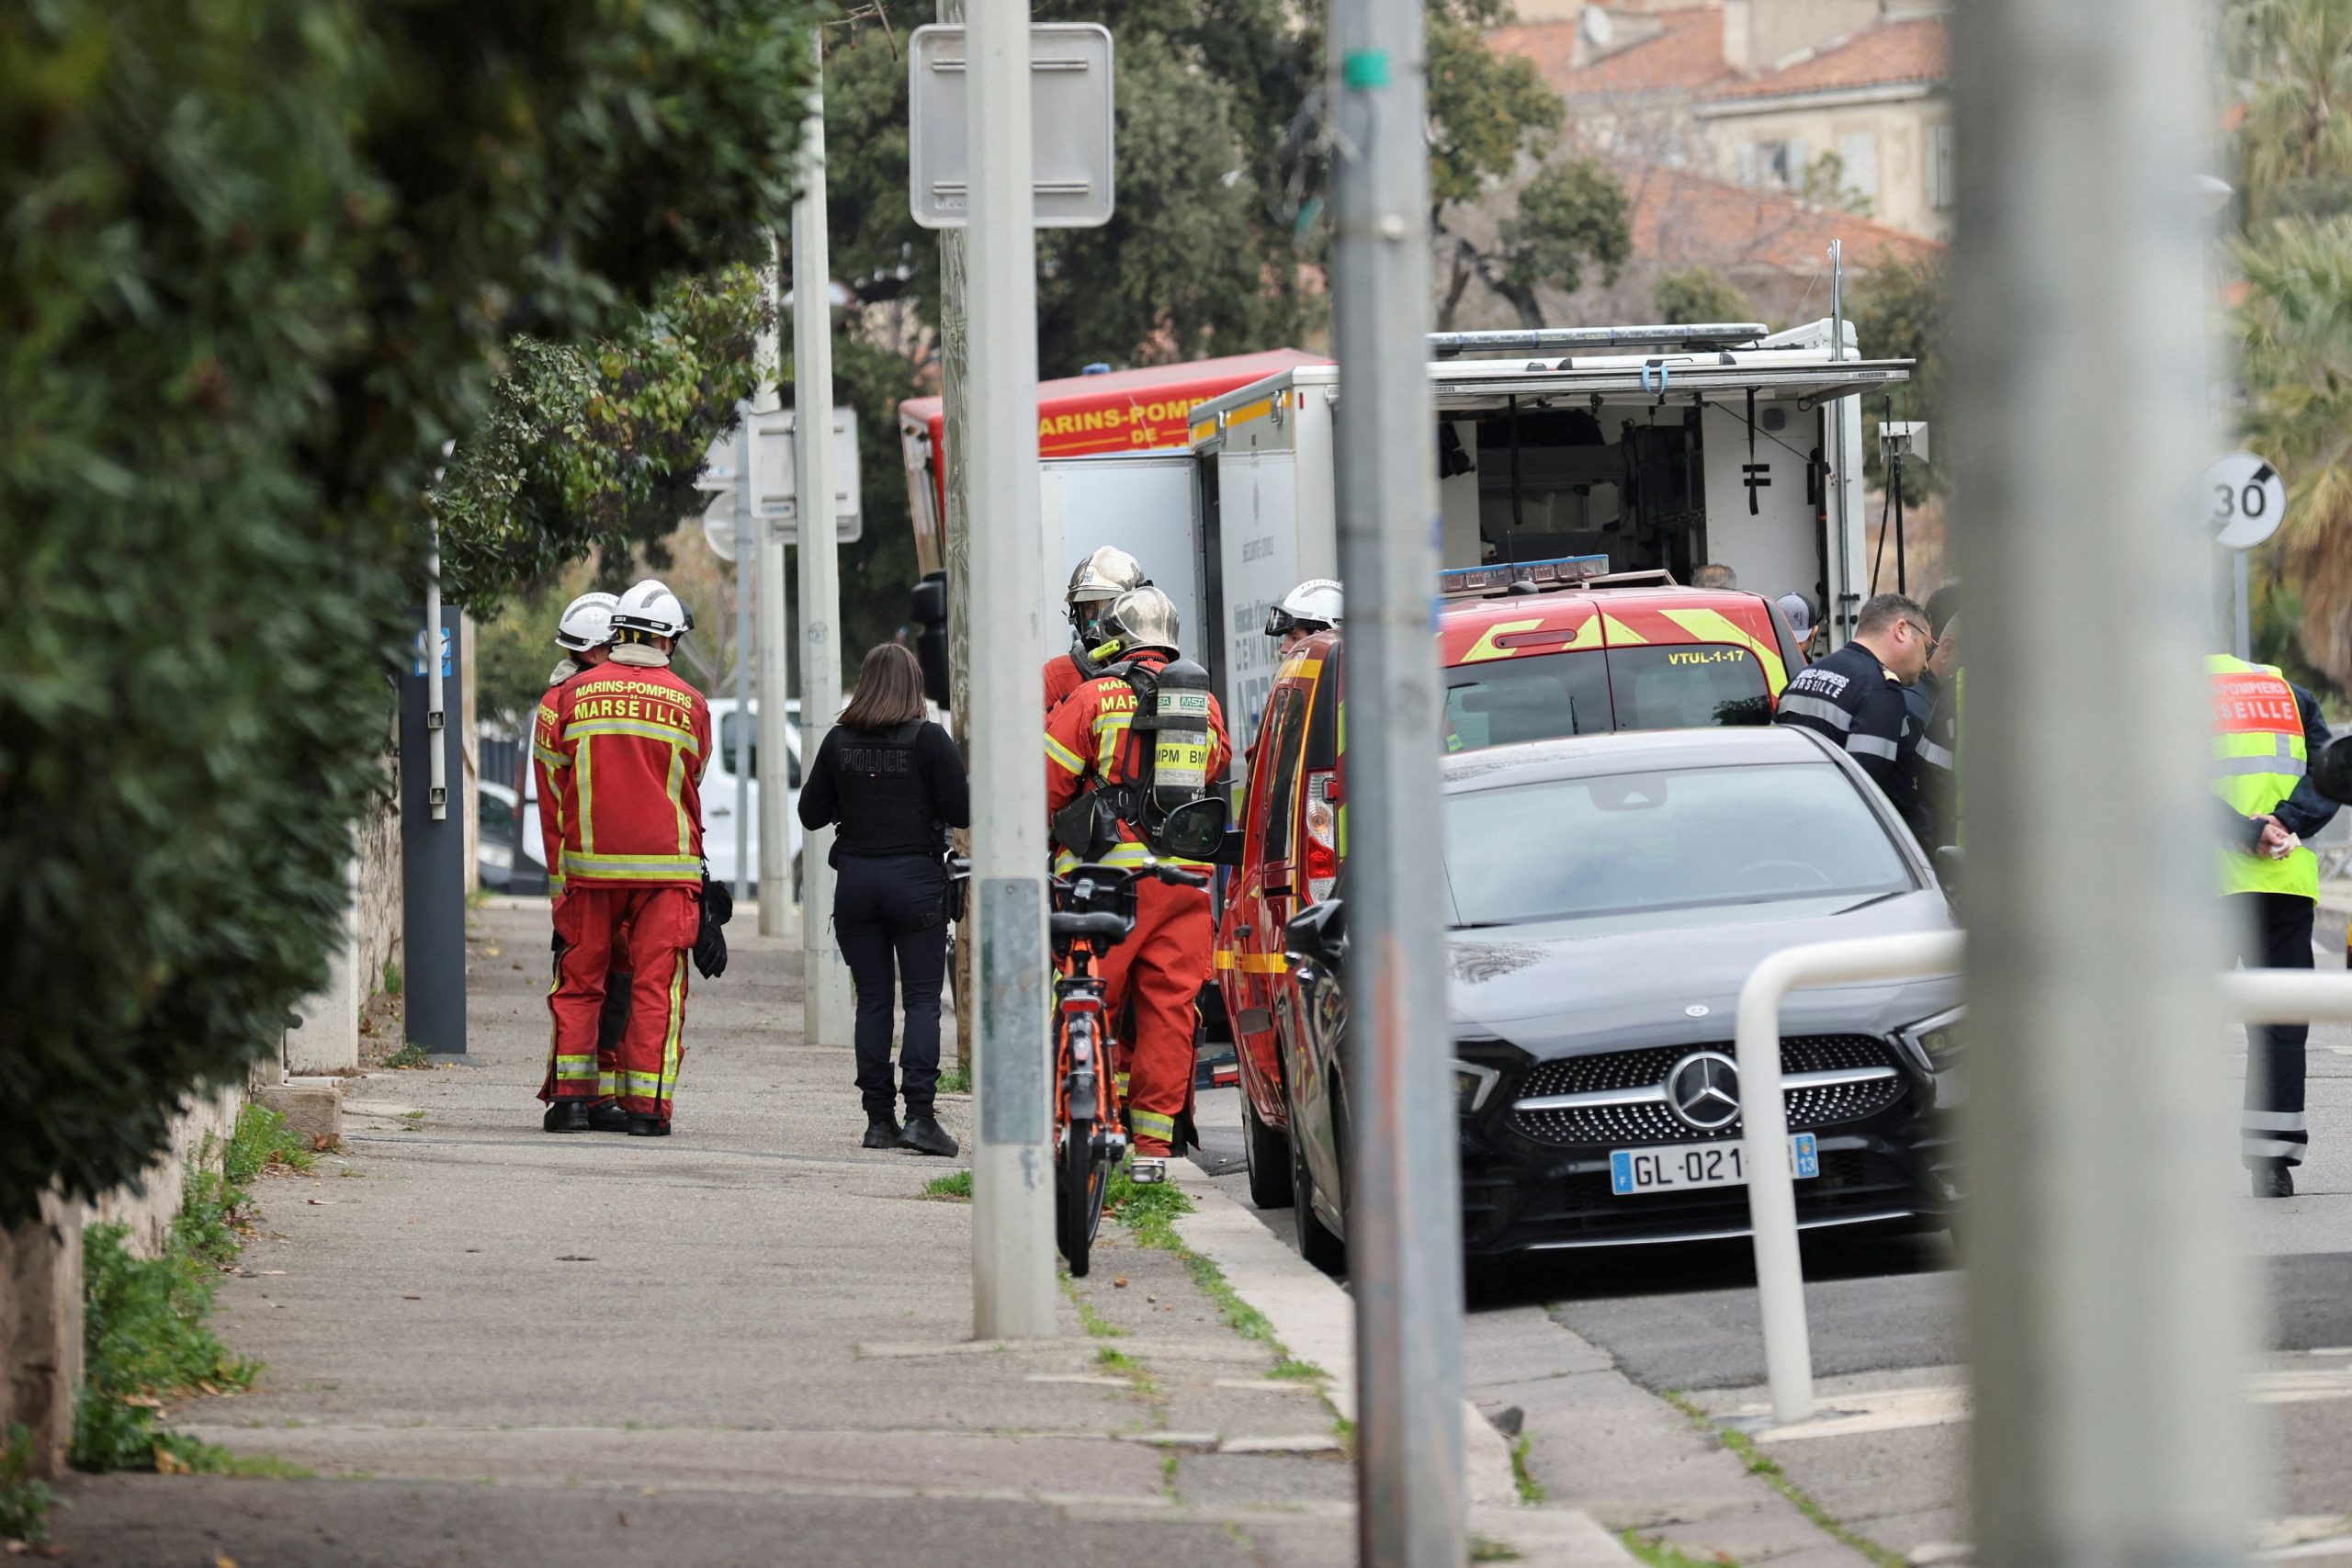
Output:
x,y
646,1126
881,1130
2273,1179
608,1117
925,1136
565,1116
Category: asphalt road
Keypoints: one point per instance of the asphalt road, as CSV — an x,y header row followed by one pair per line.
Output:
x,y
1685,1317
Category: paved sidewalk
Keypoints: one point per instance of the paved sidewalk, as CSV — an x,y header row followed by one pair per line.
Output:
x,y
747,1344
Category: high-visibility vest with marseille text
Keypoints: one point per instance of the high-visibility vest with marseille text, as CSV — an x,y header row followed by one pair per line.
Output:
x,y
2258,758
630,744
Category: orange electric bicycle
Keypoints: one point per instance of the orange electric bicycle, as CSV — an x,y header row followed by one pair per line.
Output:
x,y
1094,911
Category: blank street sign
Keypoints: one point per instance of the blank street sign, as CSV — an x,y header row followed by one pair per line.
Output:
x,y
1069,76
774,490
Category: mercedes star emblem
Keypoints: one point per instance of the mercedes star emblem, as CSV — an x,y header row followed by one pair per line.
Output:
x,y
1704,1090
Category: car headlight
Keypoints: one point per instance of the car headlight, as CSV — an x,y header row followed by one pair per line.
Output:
x,y
1472,1085
1941,1038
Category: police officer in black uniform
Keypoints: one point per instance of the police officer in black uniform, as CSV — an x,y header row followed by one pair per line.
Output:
x,y
895,782
1854,698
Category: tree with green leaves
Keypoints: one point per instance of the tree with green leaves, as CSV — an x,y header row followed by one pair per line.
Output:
x,y
1697,296
1499,115
596,448
1898,313
265,255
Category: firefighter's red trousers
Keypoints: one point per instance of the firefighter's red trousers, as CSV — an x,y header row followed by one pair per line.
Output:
x,y
658,926
1160,969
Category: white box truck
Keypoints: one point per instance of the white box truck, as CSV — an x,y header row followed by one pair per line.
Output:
x,y
1659,448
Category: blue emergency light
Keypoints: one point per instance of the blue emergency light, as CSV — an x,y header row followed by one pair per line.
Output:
x,y
1537,574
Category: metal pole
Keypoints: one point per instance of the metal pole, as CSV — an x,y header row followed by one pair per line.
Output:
x,y
1013,1183
955,365
1404,1190
433,847
746,564
825,997
1839,610
1764,1129
2108,1299
2241,606
775,681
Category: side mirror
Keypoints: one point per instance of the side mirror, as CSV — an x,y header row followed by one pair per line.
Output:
x,y
1318,933
927,605
1194,830
1949,860
2331,772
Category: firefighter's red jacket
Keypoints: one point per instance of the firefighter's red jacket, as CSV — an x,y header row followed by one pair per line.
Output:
x,y
1089,740
624,746
1062,677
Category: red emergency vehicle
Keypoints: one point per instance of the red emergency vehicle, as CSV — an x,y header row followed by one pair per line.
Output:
x,y
1118,410
1529,653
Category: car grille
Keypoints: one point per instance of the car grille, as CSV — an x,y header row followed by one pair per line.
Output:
x,y
1621,1126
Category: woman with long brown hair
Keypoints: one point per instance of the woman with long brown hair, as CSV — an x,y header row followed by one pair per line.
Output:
x,y
895,782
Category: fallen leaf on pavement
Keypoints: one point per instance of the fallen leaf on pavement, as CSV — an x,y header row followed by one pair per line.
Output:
x,y
518,967
223,1560
144,1401
572,1257
411,1298
492,951
273,1271
624,1521
321,1203
1120,1284
169,1463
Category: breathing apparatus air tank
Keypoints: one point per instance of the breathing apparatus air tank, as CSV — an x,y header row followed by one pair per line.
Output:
x,y
1180,769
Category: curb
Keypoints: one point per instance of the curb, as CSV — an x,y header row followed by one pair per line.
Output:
x,y
1314,1319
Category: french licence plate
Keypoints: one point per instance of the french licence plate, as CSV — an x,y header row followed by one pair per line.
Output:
x,y
1679,1166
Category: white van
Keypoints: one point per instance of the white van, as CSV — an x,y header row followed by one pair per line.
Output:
x,y
725,804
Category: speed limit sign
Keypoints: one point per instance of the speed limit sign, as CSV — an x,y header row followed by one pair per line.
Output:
x,y
2248,500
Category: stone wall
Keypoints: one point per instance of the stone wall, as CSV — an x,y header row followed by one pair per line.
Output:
x,y
328,1038
41,1276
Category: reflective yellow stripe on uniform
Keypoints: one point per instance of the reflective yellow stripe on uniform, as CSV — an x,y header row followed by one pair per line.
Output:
x,y
1063,757
551,757
682,738
1152,1124
575,1069
632,868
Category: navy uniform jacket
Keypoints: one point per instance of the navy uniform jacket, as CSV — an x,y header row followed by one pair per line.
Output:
x,y
1855,702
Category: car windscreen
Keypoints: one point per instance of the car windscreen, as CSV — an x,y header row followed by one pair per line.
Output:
x,y
1591,691
1531,697
1688,686
1681,838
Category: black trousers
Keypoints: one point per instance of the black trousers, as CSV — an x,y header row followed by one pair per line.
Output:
x,y
2273,931
888,913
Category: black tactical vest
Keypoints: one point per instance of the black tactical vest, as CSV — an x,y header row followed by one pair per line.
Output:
x,y
886,805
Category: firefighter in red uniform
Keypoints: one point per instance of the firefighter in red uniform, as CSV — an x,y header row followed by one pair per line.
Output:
x,y
631,739
585,634
1101,577
1162,967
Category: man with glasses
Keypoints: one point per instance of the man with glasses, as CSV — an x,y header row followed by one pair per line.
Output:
x,y
1854,698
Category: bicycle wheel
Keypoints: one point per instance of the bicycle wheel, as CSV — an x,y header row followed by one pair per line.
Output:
x,y
1078,1184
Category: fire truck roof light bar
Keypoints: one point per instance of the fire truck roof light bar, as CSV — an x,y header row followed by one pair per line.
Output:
x,y
1457,345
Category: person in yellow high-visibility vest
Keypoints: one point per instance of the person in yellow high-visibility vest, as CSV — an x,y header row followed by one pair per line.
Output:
x,y
2265,733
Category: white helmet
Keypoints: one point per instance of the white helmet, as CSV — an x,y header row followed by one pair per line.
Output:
x,y
1143,617
651,607
1313,606
1107,573
587,622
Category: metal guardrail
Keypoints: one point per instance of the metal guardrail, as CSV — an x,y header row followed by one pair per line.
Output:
x,y
2248,995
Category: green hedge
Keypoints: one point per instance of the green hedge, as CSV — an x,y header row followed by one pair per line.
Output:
x,y
260,260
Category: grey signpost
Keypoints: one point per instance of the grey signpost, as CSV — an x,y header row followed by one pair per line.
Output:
x,y
1403,1204
987,101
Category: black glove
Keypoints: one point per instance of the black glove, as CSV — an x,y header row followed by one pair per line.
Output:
x,y
710,949
717,903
